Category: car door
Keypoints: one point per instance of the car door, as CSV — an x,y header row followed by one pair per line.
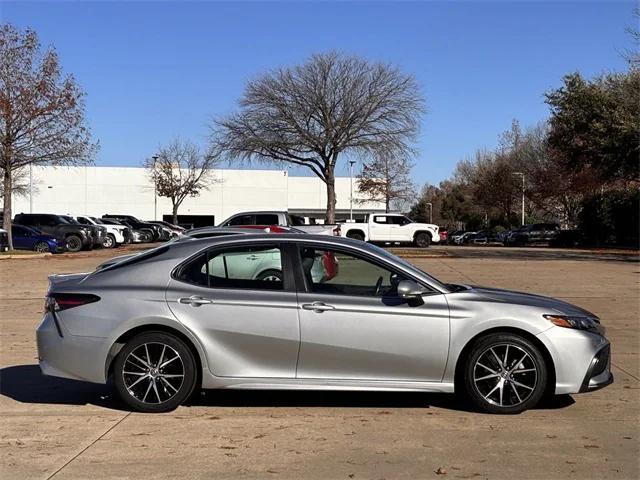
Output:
x,y
248,326
379,228
22,238
353,325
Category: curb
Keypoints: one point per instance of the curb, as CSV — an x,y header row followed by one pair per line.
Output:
x,y
25,256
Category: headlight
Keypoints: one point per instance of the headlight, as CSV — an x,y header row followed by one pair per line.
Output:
x,y
591,324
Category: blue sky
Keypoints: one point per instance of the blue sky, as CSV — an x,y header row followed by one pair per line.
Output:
x,y
153,70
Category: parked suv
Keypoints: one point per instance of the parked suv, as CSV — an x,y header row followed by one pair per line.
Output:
x,y
156,231
532,234
98,232
72,235
116,234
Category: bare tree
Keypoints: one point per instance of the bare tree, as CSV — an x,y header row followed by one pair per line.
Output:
x,y
42,117
180,170
20,185
312,113
387,179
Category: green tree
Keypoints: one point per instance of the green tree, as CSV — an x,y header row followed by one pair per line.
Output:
x,y
595,123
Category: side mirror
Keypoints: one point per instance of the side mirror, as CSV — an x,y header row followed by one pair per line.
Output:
x,y
409,289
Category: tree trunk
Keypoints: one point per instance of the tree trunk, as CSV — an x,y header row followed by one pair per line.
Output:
x,y
331,196
175,214
6,214
387,202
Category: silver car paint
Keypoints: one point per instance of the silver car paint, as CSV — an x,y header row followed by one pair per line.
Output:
x,y
251,339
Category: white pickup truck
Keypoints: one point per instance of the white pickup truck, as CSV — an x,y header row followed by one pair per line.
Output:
x,y
392,228
284,219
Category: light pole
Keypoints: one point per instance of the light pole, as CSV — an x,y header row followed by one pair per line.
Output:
x,y
155,189
430,211
521,174
351,162
30,188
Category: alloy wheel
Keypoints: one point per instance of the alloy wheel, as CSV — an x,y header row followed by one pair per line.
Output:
x,y
153,373
505,375
42,247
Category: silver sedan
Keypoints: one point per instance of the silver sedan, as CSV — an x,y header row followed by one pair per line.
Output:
x,y
288,311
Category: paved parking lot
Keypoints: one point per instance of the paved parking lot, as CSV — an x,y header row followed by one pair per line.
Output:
x,y
65,429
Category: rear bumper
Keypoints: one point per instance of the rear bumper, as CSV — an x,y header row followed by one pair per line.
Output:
x,y
69,356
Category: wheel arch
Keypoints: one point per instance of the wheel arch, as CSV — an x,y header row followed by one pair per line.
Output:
x,y
422,230
548,359
357,231
154,327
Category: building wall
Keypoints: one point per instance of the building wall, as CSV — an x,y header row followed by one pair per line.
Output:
x,y
127,190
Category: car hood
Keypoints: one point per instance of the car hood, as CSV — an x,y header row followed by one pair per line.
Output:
x,y
526,299
45,237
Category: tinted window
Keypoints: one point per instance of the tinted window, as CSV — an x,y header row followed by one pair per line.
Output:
x,y
253,268
380,219
266,219
83,221
399,220
296,220
335,272
241,220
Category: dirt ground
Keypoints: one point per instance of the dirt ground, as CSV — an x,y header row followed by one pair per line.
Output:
x,y
55,428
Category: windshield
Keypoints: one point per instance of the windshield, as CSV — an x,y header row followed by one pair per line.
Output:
x,y
97,220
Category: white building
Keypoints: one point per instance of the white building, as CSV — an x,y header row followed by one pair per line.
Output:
x,y
127,190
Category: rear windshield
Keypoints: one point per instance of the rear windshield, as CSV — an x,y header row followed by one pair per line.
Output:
x,y
136,258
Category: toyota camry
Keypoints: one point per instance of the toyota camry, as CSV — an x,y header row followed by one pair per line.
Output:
x,y
290,311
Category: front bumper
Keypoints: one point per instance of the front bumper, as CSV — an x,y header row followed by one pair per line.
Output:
x,y
61,354
599,372
582,360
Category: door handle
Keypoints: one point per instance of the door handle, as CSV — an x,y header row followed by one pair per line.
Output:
x,y
195,301
252,257
317,307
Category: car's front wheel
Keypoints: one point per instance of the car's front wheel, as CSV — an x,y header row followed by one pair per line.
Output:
x,y
154,372
109,241
505,373
42,247
74,243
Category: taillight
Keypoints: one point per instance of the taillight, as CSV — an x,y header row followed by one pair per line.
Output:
x,y
55,302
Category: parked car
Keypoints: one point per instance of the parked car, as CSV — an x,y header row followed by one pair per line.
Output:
x,y
4,240
98,232
482,237
532,234
27,238
197,314
451,238
279,218
157,232
174,229
392,227
137,236
73,236
463,238
115,234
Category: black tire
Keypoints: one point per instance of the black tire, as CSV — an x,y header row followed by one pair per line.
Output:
x,y
356,236
272,275
150,235
521,389
109,241
42,247
422,240
180,376
74,243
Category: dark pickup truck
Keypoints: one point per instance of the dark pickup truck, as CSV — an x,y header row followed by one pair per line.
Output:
x,y
72,235
532,234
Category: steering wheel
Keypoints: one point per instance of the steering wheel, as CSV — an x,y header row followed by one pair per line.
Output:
x,y
378,285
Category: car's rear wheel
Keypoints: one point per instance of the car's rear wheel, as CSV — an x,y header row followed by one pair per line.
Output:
x,y
42,247
356,236
154,372
74,243
505,373
109,241
422,240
